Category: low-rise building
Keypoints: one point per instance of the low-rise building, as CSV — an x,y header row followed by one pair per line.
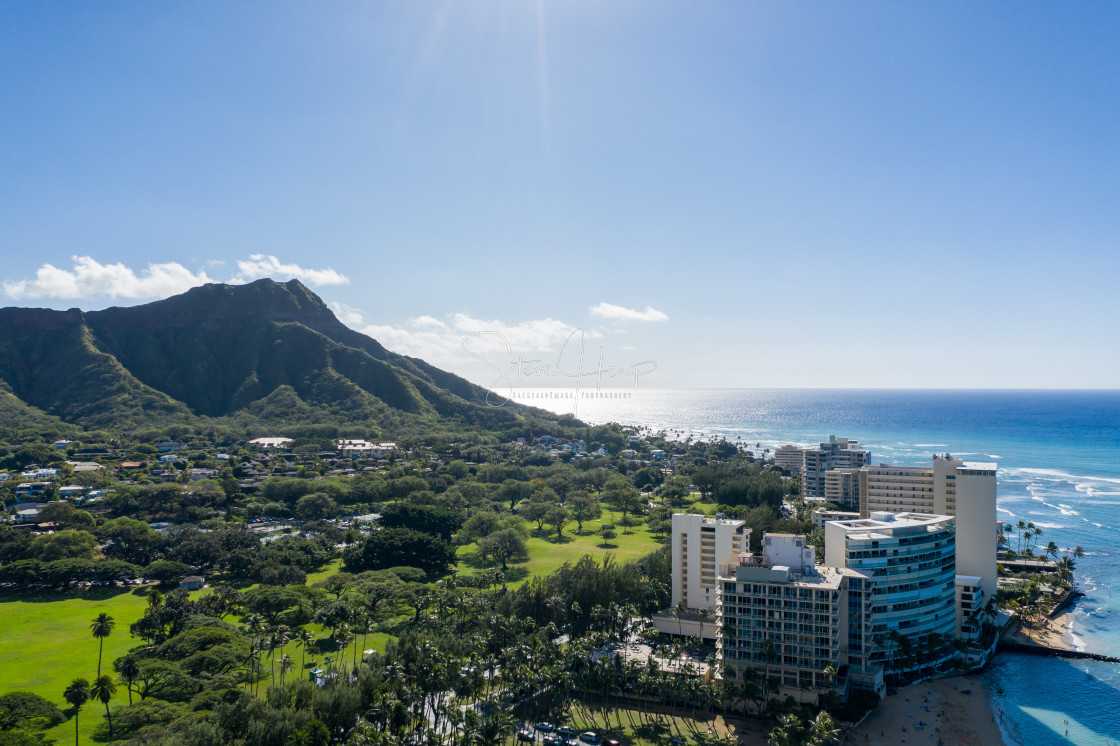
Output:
x,y
32,489
270,443
822,516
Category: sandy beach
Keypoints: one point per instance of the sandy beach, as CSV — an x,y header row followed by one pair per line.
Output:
x,y
945,711
1054,633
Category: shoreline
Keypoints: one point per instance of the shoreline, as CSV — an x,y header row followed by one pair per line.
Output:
x,y
1054,633
946,711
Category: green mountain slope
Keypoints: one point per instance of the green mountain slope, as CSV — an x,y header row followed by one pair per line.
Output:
x,y
265,350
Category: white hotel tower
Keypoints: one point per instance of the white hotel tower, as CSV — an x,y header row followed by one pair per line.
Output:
x,y
950,486
699,545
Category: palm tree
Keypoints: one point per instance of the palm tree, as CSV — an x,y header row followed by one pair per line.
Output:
x,y
823,729
787,732
286,665
679,610
129,669
101,627
829,672
155,599
306,640
103,690
77,694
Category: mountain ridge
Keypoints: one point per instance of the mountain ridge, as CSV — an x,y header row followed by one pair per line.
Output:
x,y
225,351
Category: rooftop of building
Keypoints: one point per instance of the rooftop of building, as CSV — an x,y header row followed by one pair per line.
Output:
x,y
822,577
719,520
882,524
978,465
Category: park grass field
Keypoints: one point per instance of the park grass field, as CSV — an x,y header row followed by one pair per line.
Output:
x,y
547,554
46,642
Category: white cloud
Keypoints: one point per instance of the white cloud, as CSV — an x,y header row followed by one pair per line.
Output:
x,y
347,314
611,311
428,321
441,343
261,265
89,278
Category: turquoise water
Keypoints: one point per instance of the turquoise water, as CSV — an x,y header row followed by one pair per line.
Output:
x,y
1059,466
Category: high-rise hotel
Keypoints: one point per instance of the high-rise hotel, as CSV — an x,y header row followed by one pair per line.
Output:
x,y
949,486
887,577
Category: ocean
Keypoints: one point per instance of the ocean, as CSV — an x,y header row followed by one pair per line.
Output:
x,y
1059,466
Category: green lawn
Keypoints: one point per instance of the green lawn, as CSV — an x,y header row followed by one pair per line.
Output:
x,y
705,508
547,554
314,577
46,642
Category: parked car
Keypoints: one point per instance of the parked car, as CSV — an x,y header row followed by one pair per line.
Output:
x,y
589,738
551,739
566,732
545,727
525,734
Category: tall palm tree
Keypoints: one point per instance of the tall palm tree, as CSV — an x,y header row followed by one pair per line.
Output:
x,y
286,666
306,640
101,627
155,599
103,690
77,694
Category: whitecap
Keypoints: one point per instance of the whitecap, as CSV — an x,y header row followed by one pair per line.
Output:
x,y
1058,474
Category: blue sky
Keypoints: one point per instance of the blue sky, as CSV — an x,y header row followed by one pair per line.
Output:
x,y
748,194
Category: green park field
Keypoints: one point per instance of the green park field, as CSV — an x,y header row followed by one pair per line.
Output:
x,y
47,642
547,553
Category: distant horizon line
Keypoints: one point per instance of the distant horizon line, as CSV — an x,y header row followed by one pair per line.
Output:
x,y
804,388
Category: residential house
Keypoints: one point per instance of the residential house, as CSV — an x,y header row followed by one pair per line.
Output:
x,y
32,489
270,443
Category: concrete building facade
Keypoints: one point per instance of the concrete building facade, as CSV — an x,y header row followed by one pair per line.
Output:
x,y
837,453
699,544
949,486
788,457
908,588
841,488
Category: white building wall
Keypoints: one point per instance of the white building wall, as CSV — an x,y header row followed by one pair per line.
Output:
x,y
976,511
789,550
699,544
